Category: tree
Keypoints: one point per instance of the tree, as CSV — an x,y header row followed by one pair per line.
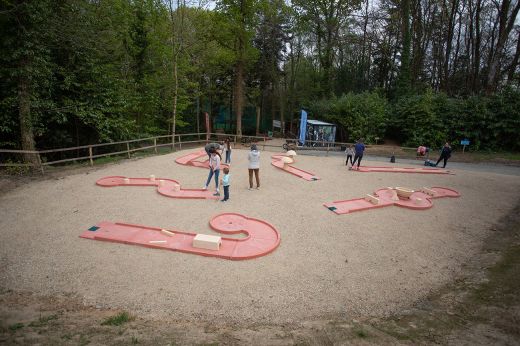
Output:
x,y
507,17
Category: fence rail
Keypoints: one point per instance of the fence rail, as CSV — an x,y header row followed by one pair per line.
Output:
x,y
50,157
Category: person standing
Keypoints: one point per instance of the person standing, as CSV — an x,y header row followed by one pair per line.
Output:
x,y
214,169
359,149
445,154
254,166
227,149
225,184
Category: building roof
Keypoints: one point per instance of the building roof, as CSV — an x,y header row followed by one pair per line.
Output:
x,y
318,122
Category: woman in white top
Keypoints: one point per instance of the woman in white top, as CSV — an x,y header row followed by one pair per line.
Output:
x,y
254,166
214,169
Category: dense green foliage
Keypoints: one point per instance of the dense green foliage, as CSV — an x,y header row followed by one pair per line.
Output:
x,y
75,72
358,115
430,119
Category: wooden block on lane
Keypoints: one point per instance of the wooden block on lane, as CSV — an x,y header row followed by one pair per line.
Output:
x,y
206,241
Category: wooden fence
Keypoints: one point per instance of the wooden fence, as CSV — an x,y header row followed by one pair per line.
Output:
x,y
87,152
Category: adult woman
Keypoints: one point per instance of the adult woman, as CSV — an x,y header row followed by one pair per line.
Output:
x,y
254,166
445,154
227,149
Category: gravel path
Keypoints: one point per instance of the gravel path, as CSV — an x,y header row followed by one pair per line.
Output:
x,y
366,263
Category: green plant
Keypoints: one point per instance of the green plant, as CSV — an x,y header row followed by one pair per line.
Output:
x,y
42,320
118,319
16,326
361,333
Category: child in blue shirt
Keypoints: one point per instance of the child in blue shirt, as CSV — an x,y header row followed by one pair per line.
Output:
x,y
225,184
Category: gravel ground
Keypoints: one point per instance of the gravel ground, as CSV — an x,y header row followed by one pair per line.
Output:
x,y
368,263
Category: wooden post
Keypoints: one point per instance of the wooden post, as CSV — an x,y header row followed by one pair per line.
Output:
x,y
173,142
327,149
128,149
234,141
155,144
90,156
40,163
180,143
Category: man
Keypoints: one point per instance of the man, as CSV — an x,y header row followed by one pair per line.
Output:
x,y
359,148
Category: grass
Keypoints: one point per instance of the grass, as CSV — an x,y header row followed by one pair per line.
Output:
x,y
16,326
43,320
83,340
361,333
117,320
494,302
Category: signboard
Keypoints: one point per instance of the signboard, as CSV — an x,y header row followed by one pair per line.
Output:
x,y
464,142
277,123
303,126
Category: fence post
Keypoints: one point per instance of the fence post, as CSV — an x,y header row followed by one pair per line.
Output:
x,y
234,141
155,144
180,143
128,149
90,156
40,163
328,144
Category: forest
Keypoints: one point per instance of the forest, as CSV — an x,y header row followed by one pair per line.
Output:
x,y
77,72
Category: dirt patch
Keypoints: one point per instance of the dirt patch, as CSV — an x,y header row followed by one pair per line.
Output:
x,y
481,307
365,271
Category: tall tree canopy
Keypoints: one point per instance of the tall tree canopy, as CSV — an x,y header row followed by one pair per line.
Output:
x,y
77,72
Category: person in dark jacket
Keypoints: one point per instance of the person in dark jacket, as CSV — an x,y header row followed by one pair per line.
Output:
x,y
445,154
359,149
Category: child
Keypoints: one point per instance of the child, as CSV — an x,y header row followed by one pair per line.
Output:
x,y
225,184
214,168
350,153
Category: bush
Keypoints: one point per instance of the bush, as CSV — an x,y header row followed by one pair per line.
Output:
x,y
359,115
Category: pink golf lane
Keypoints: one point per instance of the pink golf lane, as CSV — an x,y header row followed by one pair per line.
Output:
x,y
261,237
170,187
418,200
192,159
420,170
276,160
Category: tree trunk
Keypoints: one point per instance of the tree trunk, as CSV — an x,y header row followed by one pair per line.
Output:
x,y
476,48
403,83
24,114
258,115
514,63
175,96
449,40
239,94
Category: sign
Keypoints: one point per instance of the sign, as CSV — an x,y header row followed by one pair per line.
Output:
x,y
464,142
303,126
277,123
